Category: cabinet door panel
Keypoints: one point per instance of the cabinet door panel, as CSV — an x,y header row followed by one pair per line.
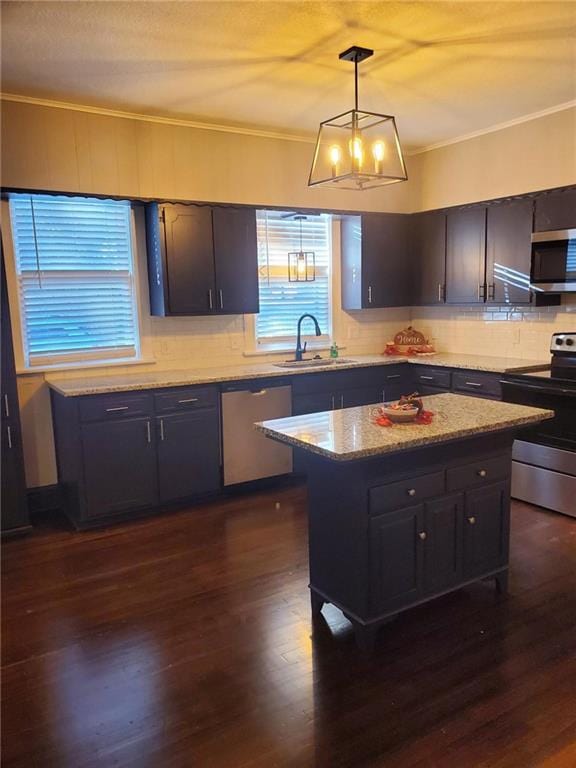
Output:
x,y
443,560
351,398
430,247
313,403
465,256
396,558
486,528
508,252
189,258
119,466
386,273
236,260
556,210
188,454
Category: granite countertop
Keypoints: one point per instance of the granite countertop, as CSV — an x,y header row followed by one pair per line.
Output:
x,y
97,385
351,433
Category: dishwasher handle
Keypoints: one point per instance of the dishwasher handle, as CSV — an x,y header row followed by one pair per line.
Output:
x,y
256,387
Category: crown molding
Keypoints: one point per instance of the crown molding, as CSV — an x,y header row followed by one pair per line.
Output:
x,y
245,131
493,128
268,134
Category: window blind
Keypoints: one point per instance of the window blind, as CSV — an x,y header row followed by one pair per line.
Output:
x,y
74,266
282,302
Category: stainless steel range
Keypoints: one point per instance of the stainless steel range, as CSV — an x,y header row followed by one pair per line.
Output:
x,y
544,468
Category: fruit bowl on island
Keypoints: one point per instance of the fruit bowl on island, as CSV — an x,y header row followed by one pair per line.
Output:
x,y
405,409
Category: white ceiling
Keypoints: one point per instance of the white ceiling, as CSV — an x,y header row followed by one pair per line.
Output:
x,y
444,69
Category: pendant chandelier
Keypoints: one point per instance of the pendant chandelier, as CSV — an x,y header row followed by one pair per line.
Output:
x,y
357,149
301,264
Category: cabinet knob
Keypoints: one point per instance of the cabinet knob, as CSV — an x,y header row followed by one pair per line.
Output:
x,y
423,535
482,473
472,520
411,491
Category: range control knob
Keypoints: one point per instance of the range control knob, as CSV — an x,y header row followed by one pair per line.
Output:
x,y
569,342
559,342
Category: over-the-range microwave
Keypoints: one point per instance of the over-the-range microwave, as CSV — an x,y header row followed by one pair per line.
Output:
x,y
553,266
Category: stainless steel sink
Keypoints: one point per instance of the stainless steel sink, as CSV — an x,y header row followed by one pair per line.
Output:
x,y
322,362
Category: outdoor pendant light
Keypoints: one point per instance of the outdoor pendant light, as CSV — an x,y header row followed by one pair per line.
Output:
x,y
357,149
301,264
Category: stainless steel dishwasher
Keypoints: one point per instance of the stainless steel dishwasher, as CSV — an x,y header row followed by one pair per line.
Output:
x,y
249,455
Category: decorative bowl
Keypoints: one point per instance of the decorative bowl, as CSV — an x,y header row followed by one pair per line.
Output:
x,y
398,415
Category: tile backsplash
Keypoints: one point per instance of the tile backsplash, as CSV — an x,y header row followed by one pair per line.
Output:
x,y
522,332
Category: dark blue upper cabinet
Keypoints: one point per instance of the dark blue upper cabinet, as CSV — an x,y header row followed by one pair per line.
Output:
x,y
555,210
202,260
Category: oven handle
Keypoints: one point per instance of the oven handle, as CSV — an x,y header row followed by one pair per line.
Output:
x,y
541,390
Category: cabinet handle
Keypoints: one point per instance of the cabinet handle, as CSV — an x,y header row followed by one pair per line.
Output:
x,y
6,407
189,400
482,473
439,291
411,491
161,430
9,431
333,405
119,408
210,302
481,291
393,376
369,294
148,433
341,401
491,291
423,535
383,396
473,384
426,378
472,520
221,297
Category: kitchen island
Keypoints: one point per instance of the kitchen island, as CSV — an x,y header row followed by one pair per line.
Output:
x,y
402,514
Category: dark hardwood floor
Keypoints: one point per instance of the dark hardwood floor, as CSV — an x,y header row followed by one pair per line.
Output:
x,y
185,640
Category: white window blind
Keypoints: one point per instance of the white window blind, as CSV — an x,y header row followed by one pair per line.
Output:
x,y
74,266
282,302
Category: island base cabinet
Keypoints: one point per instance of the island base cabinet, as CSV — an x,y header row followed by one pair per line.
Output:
x,y
384,538
119,466
188,454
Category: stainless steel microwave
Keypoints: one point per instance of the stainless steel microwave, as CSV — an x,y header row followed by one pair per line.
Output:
x,y
553,267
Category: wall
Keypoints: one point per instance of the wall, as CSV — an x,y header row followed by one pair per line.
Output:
x,y
518,332
530,156
73,151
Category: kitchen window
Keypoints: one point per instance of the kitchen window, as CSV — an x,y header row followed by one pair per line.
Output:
x,y
75,275
281,301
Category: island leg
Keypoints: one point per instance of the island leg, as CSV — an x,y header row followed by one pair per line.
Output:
x,y
316,604
502,583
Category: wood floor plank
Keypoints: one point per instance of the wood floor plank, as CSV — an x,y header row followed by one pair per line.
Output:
x,y
185,640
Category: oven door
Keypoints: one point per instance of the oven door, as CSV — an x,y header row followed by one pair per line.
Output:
x,y
559,432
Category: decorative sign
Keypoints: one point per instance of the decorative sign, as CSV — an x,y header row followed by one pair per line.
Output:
x,y
410,337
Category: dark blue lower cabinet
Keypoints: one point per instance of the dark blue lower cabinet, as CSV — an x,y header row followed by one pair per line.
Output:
x,y
119,459
396,558
486,528
188,454
443,543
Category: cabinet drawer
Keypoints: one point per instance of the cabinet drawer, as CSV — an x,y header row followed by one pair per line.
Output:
x,y
185,399
477,384
410,491
479,473
116,406
432,377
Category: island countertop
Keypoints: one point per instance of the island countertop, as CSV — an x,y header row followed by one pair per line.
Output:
x,y
351,434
